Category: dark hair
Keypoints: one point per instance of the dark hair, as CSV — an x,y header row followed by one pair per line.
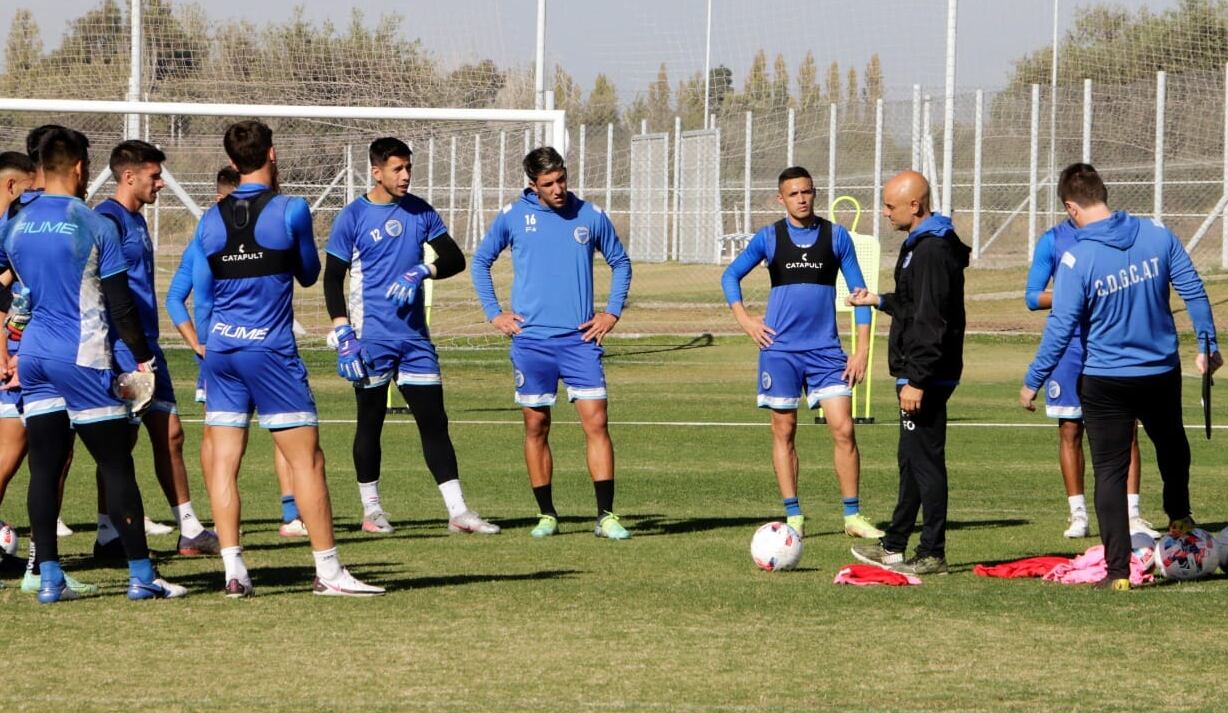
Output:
x,y
791,173
542,159
1082,185
383,149
227,176
35,137
247,144
60,148
16,161
134,153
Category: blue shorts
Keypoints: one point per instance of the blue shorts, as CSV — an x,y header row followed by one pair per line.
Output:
x,y
164,389
49,385
10,403
784,375
272,383
412,360
1062,388
540,363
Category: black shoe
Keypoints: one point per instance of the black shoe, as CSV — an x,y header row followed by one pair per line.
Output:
x,y
918,565
110,553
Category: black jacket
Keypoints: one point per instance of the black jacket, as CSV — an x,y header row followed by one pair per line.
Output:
x,y
926,342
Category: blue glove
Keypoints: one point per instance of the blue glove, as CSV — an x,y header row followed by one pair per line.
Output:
x,y
403,291
349,354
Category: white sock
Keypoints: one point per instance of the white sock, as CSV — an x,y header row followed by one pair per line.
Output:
x,y
106,531
186,516
328,564
1132,503
453,498
369,493
1078,504
232,558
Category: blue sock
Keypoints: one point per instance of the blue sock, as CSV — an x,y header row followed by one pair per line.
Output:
x,y
141,570
50,574
852,506
289,509
792,507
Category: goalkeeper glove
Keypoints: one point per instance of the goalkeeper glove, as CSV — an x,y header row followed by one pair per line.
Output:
x,y
19,315
349,354
136,387
403,291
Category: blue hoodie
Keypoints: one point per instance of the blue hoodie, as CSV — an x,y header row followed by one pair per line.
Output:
x,y
1114,283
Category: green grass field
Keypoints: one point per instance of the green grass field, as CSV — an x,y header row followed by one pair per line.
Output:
x,y
677,618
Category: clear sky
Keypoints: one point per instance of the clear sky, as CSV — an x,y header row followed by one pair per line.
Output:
x,y
628,39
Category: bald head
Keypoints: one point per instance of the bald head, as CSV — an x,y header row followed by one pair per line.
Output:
x,y
906,200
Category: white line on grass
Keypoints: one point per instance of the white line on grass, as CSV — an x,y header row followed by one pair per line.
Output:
x,y
703,424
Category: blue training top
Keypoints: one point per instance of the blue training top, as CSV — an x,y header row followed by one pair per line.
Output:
x,y
257,312
552,258
193,277
61,251
803,314
1115,280
381,242
139,253
1056,242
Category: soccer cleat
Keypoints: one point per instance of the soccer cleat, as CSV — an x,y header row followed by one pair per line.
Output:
x,y
874,553
1139,524
470,521
344,585
56,593
858,526
31,583
203,544
609,528
157,589
377,522
547,525
157,528
294,528
1116,585
1177,528
110,553
919,565
61,529
1078,526
798,523
237,589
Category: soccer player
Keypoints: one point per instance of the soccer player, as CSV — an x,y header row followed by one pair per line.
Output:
x,y
799,348
137,169
380,240
1061,392
70,259
1114,280
257,243
194,277
925,352
552,234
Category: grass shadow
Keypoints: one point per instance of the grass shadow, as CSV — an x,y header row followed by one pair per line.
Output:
x,y
699,342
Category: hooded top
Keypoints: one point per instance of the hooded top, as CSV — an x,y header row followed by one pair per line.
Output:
x,y
1114,283
926,344
552,262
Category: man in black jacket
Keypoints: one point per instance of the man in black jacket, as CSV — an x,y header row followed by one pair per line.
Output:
x,y
925,354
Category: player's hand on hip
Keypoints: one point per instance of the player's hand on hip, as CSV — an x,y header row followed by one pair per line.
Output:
x,y
597,327
404,289
1027,397
508,323
861,297
1213,363
855,369
349,354
758,331
11,379
910,398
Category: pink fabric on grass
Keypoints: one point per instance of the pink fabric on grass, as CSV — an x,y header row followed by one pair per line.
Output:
x,y
1090,567
866,575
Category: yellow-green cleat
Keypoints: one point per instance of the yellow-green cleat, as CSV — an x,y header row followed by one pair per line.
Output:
x,y
1115,585
547,525
858,526
609,528
1177,528
798,523
31,583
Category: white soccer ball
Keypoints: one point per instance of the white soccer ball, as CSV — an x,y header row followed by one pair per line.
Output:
x,y
776,546
1222,540
1144,550
8,539
1189,556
